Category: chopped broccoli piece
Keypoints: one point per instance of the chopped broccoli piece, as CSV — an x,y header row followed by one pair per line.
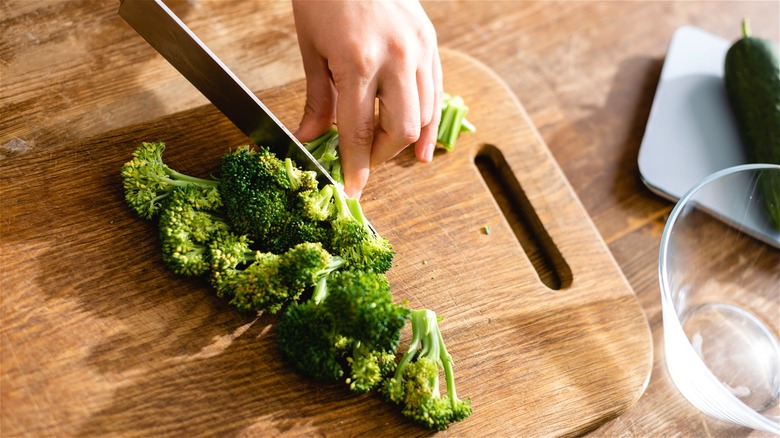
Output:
x,y
355,241
367,368
415,383
363,308
325,149
254,186
453,122
186,224
318,204
269,281
147,181
300,180
338,331
261,195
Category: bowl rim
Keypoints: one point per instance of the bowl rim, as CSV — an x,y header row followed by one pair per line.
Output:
x,y
683,201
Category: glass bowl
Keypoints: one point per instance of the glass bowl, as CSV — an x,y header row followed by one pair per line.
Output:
x,y
719,268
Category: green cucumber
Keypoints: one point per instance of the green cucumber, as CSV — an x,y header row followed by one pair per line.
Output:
x,y
752,79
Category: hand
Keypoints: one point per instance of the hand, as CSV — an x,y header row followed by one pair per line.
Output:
x,y
355,53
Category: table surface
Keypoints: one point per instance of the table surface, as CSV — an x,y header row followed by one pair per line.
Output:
x,y
585,71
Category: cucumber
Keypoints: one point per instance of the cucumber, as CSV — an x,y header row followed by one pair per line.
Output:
x,y
752,80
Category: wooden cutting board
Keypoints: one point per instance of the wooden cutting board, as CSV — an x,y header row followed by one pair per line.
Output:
x,y
99,339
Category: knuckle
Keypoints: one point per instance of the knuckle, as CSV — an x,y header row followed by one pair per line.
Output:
x,y
363,135
406,133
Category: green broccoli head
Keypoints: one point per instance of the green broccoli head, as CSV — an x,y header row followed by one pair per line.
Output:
x,y
264,199
185,230
308,342
299,180
368,368
415,383
306,263
363,309
266,281
316,204
147,181
355,324
260,286
253,188
355,241
298,230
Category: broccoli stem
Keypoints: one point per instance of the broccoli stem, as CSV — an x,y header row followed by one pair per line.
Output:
x,y
181,179
419,329
453,122
313,146
349,208
321,287
449,373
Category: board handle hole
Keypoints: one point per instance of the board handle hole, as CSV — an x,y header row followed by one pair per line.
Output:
x,y
540,249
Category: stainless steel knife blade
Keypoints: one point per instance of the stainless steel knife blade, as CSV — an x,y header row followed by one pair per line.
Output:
x,y
167,34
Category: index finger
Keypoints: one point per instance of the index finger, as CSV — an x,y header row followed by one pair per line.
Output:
x,y
355,120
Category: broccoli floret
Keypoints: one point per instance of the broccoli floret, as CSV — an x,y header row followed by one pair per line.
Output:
x,y
147,180
227,251
363,308
339,331
316,204
308,342
415,383
261,194
367,368
298,230
187,223
254,186
300,180
355,241
263,281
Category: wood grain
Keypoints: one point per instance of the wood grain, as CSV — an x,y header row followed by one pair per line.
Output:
x,y
524,352
585,71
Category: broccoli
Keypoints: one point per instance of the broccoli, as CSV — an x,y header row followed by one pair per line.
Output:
x,y
453,122
188,221
368,368
349,325
279,206
261,195
269,239
415,383
147,181
264,281
355,241
325,149
316,204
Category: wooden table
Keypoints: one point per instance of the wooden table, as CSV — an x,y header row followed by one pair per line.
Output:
x,y
585,71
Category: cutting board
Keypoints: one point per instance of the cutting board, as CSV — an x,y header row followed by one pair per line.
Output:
x,y
99,339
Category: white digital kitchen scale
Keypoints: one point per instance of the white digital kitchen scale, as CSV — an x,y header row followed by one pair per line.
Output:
x,y
691,132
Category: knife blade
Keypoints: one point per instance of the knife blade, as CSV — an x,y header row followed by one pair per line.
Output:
x,y
167,34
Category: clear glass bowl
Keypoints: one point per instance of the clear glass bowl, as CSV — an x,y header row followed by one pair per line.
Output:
x,y
719,268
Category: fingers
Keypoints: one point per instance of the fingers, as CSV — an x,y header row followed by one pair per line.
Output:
x,y
399,116
319,113
355,113
431,87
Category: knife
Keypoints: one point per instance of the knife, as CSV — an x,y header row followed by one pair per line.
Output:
x,y
167,34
